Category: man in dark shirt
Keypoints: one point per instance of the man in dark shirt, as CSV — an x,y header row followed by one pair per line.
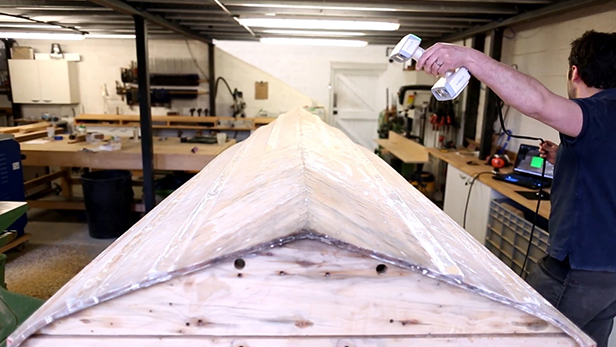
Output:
x,y
579,274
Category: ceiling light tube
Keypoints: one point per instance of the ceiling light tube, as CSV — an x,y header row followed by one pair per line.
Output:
x,y
312,42
40,36
318,7
318,24
313,33
110,36
29,26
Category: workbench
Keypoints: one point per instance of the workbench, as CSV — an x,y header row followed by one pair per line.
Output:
x,y
461,162
409,151
169,154
462,167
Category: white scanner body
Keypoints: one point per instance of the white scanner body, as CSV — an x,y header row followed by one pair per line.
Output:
x,y
446,88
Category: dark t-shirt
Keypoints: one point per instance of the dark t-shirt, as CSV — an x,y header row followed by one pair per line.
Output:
x,y
583,218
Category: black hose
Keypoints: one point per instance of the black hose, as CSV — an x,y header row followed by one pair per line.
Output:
x,y
227,84
532,230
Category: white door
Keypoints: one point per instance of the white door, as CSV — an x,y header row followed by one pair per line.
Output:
x,y
357,99
25,82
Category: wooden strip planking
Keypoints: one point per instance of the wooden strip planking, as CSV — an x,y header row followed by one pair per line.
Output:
x,y
556,340
305,288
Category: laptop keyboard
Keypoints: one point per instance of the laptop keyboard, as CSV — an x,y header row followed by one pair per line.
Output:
x,y
523,181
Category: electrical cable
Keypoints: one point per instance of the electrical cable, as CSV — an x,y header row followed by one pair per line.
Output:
x,y
539,193
195,60
468,196
44,22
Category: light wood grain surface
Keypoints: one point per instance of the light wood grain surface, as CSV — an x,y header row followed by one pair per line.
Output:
x,y
409,151
304,288
460,162
168,155
557,340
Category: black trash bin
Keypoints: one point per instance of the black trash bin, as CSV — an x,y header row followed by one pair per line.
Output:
x,y
108,195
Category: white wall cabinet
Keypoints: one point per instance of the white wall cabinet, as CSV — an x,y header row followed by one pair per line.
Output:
x,y
456,191
44,81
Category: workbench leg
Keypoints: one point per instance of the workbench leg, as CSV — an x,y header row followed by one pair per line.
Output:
x,y
67,187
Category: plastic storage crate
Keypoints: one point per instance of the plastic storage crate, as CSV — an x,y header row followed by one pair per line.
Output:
x,y
508,236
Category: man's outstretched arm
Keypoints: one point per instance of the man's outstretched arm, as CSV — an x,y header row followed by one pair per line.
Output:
x,y
524,93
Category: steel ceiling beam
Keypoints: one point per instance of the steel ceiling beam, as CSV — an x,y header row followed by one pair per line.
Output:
x,y
557,8
197,15
407,6
125,8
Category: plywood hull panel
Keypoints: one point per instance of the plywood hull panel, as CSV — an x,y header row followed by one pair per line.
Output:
x,y
305,288
414,341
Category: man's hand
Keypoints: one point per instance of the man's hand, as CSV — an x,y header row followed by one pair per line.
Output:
x,y
443,57
548,150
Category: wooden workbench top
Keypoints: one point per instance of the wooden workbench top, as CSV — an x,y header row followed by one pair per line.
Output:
x,y
471,165
169,154
409,151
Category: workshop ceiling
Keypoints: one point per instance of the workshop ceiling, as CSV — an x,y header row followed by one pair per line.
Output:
x,y
210,19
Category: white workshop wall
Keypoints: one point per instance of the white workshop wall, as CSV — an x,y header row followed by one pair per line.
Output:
x,y
308,69
103,58
242,75
541,49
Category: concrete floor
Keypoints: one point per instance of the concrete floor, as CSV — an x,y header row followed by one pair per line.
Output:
x,y
59,248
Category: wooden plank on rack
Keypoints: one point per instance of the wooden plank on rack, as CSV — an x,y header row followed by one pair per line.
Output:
x,y
24,128
23,137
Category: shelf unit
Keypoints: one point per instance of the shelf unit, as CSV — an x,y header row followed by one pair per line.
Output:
x,y
171,122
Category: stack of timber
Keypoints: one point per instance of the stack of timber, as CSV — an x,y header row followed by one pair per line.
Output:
x,y
297,237
27,132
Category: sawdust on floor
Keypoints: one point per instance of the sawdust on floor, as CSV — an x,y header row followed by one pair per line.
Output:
x,y
44,269
60,247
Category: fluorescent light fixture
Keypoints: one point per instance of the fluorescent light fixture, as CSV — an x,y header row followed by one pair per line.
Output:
x,y
317,7
40,36
110,36
314,33
29,26
322,24
313,42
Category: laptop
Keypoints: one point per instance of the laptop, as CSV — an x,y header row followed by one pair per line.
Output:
x,y
527,169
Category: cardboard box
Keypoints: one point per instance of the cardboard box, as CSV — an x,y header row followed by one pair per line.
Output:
x,y
18,52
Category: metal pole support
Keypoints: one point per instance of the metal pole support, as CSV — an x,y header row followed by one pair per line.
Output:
x,y
145,112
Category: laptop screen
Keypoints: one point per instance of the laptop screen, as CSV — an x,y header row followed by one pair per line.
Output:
x,y
529,162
